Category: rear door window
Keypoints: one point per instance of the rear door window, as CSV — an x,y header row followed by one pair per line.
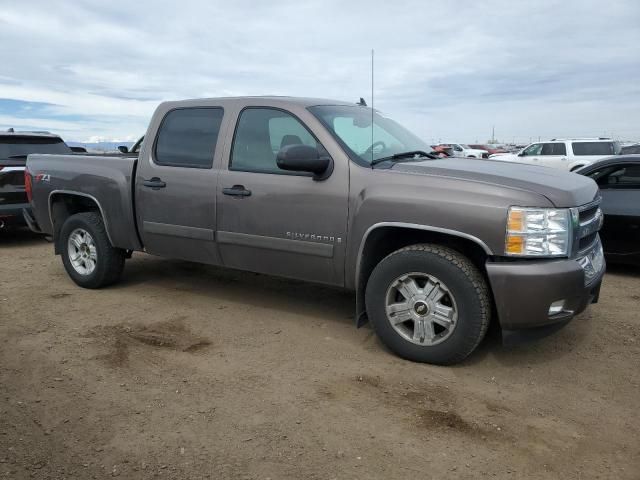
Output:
x,y
593,148
187,137
554,149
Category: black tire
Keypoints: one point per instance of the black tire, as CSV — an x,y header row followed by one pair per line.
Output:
x,y
465,283
110,260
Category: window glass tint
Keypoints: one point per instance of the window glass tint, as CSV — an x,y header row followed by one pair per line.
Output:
x,y
534,149
260,134
188,136
553,149
619,176
19,145
351,126
593,148
630,149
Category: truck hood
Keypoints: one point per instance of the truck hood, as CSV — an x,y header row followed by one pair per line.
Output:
x,y
563,189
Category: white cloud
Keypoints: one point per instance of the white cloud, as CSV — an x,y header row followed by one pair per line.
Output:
x,y
448,70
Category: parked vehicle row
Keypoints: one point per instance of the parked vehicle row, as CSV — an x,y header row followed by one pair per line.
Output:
x,y
462,150
299,188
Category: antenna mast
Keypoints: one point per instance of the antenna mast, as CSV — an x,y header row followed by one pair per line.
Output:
x,y
372,54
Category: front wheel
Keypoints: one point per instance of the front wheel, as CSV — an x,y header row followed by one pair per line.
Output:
x,y
429,304
87,254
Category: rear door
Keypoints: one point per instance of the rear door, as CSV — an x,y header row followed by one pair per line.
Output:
x,y
274,221
176,183
554,155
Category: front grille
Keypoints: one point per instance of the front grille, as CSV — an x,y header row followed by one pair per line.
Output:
x,y
588,223
585,242
589,212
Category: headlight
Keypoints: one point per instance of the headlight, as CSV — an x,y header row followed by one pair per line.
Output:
x,y
538,232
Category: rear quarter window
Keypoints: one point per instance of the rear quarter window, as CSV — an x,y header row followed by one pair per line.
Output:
x,y
593,148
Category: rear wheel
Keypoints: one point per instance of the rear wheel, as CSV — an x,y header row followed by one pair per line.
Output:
x,y
429,304
87,254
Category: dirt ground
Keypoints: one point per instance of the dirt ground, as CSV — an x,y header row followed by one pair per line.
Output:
x,y
185,371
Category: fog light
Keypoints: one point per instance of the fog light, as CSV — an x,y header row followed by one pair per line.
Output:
x,y
556,307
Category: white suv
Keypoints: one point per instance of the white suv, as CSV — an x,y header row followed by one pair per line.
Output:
x,y
566,154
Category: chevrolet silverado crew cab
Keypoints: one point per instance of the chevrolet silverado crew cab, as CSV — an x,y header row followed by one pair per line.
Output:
x,y
334,193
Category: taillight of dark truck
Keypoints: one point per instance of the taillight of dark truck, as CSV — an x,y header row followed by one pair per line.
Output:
x,y
28,183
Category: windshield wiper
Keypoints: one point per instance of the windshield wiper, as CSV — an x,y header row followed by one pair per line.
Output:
x,y
399,156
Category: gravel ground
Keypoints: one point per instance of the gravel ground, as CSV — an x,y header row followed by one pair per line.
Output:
x,y
188,371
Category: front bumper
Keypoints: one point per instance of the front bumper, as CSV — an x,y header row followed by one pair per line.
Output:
x,y
524,291
11,214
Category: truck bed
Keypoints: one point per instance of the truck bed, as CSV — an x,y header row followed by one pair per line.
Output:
x,y
107,180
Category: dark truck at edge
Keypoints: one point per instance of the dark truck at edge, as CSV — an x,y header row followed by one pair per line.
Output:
x,y
14,148
313,190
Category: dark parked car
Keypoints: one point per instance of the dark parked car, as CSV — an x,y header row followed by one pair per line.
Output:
x,y
14,148
619,181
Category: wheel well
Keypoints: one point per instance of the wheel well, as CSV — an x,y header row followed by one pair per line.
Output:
x,y
63,205
386,240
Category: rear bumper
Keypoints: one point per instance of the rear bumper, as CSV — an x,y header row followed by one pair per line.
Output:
x,y
524,292
30,221
11,214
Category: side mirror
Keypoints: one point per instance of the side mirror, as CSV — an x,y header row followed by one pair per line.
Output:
x,y
123,149
521,154
303,158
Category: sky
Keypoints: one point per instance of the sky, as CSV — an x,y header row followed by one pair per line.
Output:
x,y
448,70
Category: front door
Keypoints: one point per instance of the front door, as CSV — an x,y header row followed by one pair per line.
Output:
x,y
274,221
531,154
176,185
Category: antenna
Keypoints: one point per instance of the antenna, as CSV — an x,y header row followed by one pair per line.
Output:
x,y
372,54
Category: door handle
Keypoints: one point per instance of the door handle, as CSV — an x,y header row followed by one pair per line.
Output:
x,y
237,191
154,183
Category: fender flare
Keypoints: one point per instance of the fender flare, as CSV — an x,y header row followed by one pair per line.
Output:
x,y
78,194
360,310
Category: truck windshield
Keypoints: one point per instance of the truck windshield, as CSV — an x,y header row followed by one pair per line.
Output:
x,y
15,146
351,127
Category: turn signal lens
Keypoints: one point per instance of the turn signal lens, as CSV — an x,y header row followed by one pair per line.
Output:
x,y
515,244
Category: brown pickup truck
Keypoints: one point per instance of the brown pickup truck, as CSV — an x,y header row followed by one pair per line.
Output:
x,y
335,193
